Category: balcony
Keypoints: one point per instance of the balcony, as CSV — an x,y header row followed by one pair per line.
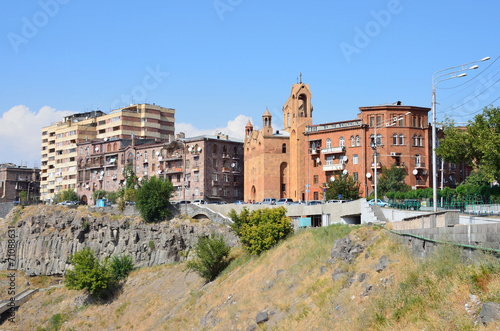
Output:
x,y
226,169
333,150
419,165
420,182
225,156
314,151
226,183
196,169
114,177
145,161
236,157
236,184
379,165
400,165
334,167
173,170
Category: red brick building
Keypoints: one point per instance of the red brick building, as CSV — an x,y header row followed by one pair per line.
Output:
x,y
16,179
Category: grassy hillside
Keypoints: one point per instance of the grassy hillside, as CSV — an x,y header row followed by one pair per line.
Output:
x,y
292,283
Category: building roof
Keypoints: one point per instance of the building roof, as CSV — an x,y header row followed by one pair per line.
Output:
x,y
221,137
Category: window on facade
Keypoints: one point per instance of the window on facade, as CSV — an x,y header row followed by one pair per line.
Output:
x,y
283,148
379,120
187,164
357,141
316,196
353,141
214,149
419,140
372,121
417,160
316,180
379,139
235,192
401,139
214,191
288,119
372,139
215,164
137,169
355,159
196,191
196,176
415,141
341,142
414,120
214,177
401,121
153,155
283,187
329,160
394,139
355,176
328,143
178,177
225,177
224,192
145,155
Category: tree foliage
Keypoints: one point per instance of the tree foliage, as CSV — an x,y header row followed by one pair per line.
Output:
x,y
130,177
344,185
392,180
476,144
88,273
99,194
211,255
121,266
261,229
153,199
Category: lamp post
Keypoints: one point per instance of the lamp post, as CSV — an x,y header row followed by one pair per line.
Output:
x,y
453,74
375,143
28,198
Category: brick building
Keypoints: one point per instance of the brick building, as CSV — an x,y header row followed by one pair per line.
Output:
x,y
299,161
16,179
59,140
210,169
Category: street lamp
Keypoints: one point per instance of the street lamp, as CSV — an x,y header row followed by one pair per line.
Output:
x,y
450,75
28,198
374,145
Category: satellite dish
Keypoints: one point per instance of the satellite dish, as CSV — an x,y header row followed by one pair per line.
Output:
x,y
105,138
415,172
368,175
344,172
199,149
317,160
157,153
345,158
332,179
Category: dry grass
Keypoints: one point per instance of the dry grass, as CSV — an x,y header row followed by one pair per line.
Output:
x,y
410,294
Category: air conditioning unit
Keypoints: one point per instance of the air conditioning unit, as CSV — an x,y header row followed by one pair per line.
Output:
x,y
394,154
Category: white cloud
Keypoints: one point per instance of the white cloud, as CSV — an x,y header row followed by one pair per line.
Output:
x,y
235,128
21,133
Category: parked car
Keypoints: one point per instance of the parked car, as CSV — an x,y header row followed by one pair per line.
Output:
x,y
269,201
380,202
336,201
184,202
132,203
199,202
284,201
68,203
240,202
314,202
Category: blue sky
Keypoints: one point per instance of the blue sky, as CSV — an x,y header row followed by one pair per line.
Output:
x,y
221,62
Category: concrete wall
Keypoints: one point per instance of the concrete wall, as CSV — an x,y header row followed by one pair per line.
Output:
x,y
5,208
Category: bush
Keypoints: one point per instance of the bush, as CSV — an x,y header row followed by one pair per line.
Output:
x,y
153,199
261,229
99,194
121,266
112,196
211,257
88,273
121,204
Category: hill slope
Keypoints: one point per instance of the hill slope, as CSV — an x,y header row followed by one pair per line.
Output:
x,y
371,282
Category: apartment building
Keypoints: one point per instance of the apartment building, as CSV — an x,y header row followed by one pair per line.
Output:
x,y
204,167
16,179
59,140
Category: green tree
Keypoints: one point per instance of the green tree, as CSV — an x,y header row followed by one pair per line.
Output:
x,y
129,194
130,177
261,229
121,266
344,185
476,144
69,195
88,273
112,196
153,199
392,180
23,196
99,194
210,257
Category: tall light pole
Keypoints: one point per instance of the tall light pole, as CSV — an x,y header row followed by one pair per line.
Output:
x,y
374,145
28,198
453,74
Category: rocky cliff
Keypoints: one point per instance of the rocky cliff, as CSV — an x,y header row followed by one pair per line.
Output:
x,y
47,235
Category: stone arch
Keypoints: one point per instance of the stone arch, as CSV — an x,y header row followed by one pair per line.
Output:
x,y
253,193
201,216
84,199
303,111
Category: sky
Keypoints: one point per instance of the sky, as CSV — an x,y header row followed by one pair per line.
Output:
x,y
220,63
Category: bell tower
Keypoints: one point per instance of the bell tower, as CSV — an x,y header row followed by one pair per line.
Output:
x,y
267,129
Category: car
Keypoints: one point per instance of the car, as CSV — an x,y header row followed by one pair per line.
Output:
x,y
240,202
380,202
269,201
199,202
314,202
132,203
184,202
336,201
284,201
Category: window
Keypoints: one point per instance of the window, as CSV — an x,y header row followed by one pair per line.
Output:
x,y
288,119
353,142
214,149
372,139
283,148
394,139
355,159
415,140
145,155
341,142
417,160
329,160
215,163
372,121
196,191
214,191
225,177
214,177
224,192
316,180
379,120
196,177
379,139
355,176
401,121
283,187
328,143
414,121
235,192
401,139
316,196
153,155
187,164
357,140
419,140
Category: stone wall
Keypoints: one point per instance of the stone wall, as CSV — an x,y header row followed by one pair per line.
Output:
x,y
47,235
5,208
